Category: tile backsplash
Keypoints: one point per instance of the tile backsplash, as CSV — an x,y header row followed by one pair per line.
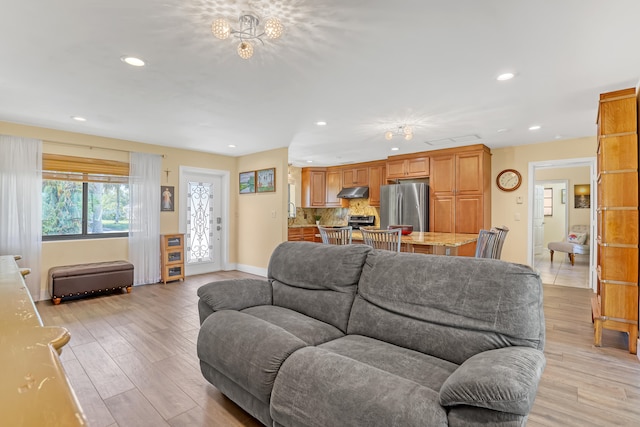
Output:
x,y
334,216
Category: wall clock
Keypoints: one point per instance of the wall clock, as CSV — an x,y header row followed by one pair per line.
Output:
x,y
509,180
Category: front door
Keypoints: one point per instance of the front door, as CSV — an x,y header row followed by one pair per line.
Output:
x,y
202,221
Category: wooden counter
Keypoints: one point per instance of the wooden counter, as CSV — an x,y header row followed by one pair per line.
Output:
x,y
434,243
34,390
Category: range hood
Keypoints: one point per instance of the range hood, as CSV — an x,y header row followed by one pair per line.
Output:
x,y
354,193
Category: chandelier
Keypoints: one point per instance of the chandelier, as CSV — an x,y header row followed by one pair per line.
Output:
x,y
247,31
402,131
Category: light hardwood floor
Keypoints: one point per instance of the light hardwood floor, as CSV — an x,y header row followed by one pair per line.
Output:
x,y
132,361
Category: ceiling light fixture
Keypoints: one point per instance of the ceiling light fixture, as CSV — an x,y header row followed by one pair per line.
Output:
x,y
79,119
535,127
321,123
249,31
404,131
131,60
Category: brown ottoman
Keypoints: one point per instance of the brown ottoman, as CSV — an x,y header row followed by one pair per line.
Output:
x,y
85,279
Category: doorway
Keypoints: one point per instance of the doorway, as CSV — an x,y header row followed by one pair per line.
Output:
x,y
203,218
560,170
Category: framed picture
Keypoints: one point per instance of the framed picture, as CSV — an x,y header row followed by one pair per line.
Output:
x,y
266,180
166,198
247,182
582,195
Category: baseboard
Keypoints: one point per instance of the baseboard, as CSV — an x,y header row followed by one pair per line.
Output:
x,y
252,270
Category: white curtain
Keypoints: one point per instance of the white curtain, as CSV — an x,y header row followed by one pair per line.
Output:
x,y
21,204
144,221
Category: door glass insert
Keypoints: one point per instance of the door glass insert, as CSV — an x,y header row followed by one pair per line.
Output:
x,y
199,222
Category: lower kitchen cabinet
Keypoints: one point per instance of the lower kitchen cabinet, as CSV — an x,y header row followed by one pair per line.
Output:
x,y
304,234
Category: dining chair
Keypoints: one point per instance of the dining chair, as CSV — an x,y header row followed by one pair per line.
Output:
x,y
389,240
335,235
499,240
485,244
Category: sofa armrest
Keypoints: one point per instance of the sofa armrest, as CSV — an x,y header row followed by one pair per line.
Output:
x,y
236,294
504,379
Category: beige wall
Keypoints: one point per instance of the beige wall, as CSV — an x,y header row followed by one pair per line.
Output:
x,y
261,217
504,206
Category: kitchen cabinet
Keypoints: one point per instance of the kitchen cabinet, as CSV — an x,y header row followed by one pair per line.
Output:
x,y
376,179
320,187
303,234
407,167
615,305
355,177
460,186
334,185
314,187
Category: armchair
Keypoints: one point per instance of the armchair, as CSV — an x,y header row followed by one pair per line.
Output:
x,y
577,242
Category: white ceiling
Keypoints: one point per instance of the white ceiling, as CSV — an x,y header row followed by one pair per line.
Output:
x,y
364,66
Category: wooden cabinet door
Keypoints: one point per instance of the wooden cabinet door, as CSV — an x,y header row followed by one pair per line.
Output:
x,y
294,234
334,185
469,173
376,179
395,169
443,175
469,214
442,214
318,188
417,167
356,177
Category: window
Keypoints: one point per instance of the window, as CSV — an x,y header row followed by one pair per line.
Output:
x,y
83,198
548,202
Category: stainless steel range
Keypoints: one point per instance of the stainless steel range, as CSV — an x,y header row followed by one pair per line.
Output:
x,y
357,221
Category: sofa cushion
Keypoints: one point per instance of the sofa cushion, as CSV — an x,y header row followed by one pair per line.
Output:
x,y
317,387
504,380
449,307
308,329
247,350
317,280
425,370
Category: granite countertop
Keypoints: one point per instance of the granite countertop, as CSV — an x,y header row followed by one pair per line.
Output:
x,y
430,238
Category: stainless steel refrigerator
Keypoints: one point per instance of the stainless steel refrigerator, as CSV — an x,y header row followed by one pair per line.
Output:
x,y
405,204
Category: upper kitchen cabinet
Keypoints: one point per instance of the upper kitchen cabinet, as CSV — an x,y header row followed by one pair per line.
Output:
x,y
407,166
377,178
320,187
334,185
314,187
355,177
460,186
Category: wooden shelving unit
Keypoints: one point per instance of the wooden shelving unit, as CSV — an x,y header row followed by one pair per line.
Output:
x,y
172,252
615,306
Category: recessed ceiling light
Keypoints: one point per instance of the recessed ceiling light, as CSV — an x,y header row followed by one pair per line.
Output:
x,y
395,149
309,161
79,119
321,123
231,146
505,76
502,130
535,127
132,60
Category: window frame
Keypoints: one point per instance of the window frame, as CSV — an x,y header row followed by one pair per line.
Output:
x,y
68,168
547,209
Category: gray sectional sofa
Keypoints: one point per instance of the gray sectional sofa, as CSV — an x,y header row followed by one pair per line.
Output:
x,y
350,336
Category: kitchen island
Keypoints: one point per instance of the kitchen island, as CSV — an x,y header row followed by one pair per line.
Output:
x,y
436,243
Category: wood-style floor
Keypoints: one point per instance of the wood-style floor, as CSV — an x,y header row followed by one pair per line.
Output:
x,y
132,361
